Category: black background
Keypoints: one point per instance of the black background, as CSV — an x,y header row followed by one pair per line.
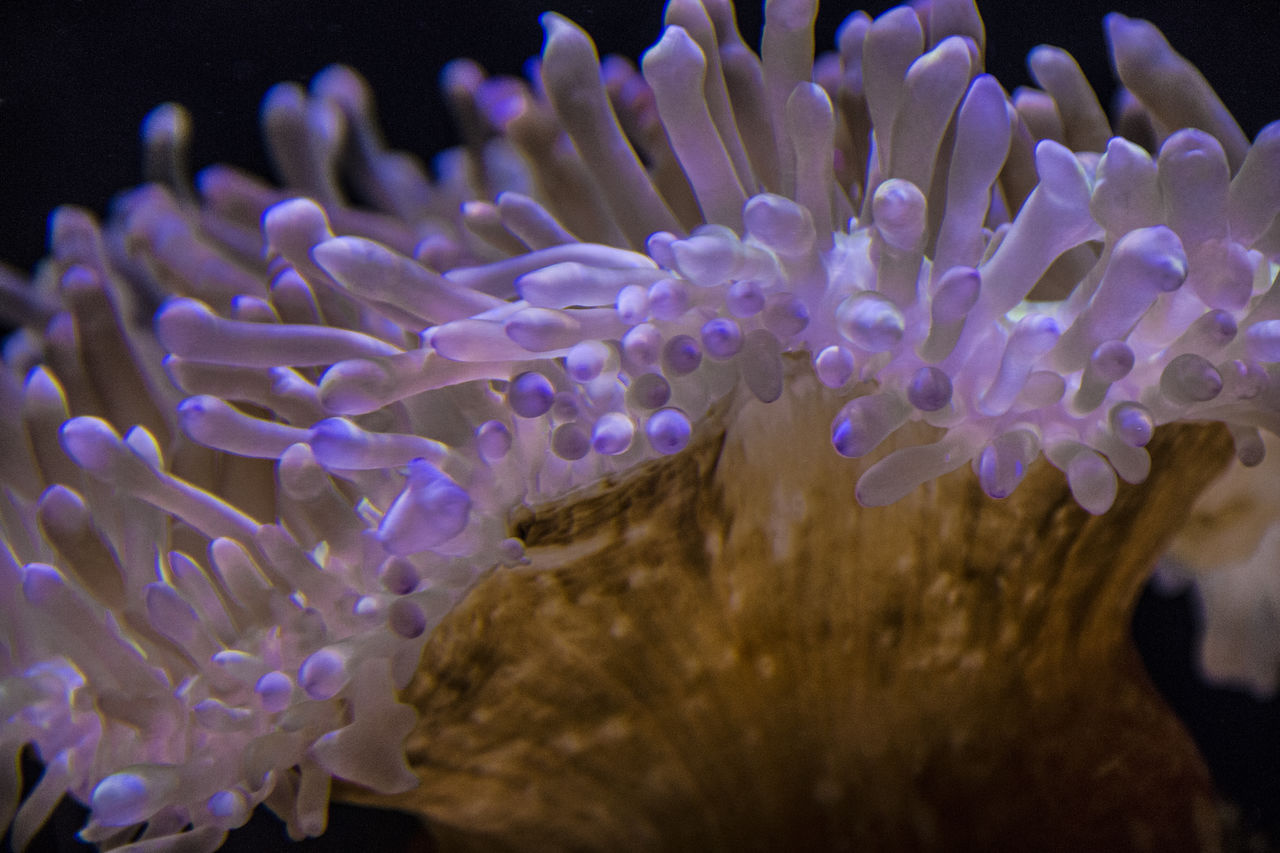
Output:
x,y
77,77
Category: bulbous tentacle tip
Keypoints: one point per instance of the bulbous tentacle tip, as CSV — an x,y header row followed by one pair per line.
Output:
x,y
91,443
130,797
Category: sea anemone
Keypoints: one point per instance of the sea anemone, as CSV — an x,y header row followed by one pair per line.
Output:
x,y
1229,551
724,452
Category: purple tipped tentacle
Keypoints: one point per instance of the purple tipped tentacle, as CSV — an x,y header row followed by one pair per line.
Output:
x,y
676,69
1004,462
899,473
1032,337
1110,362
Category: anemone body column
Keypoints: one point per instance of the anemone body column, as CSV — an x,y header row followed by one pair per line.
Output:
x,y
725,651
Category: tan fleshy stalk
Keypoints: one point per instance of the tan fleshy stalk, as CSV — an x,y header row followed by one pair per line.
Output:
x,y
724,651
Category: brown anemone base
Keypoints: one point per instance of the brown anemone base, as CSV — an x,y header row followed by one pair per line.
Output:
x,y
724,651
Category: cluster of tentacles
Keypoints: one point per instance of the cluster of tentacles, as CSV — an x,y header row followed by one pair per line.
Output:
x,y
258,441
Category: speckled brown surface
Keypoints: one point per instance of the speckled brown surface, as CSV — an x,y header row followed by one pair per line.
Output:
x,y
726,652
